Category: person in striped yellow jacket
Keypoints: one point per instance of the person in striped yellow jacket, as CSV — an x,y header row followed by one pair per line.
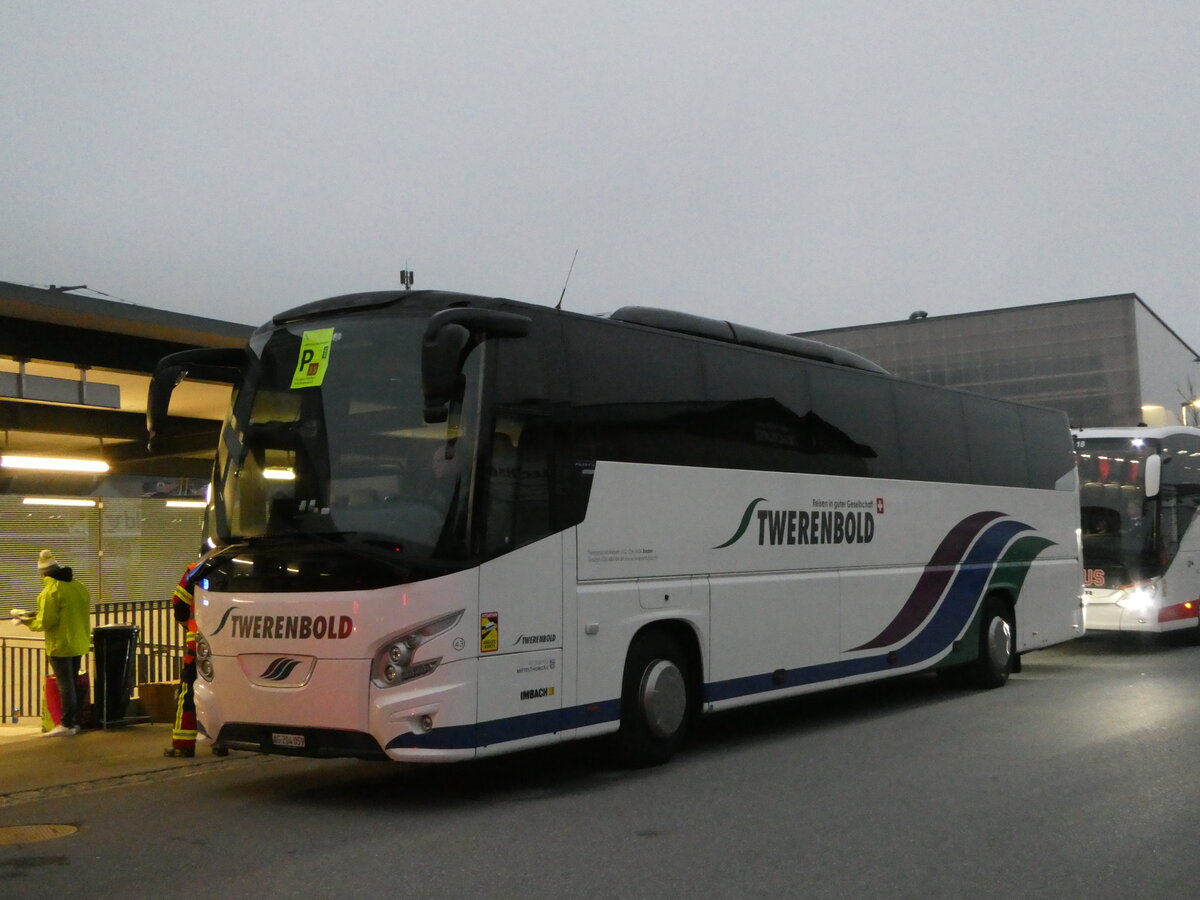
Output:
x,y
183,735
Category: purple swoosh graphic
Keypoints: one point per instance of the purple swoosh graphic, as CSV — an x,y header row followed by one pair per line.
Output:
x,y
932,583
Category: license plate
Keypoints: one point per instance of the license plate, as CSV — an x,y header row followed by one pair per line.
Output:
x,y
287,740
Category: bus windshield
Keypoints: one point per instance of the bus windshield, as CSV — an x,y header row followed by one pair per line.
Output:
x,y
1119,532
326,436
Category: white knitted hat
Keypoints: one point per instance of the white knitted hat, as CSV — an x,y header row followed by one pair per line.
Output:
x,y
46,561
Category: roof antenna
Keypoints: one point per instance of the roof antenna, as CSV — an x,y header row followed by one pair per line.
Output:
x,y
406,277
558,305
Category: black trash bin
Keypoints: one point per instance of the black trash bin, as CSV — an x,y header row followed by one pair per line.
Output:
x,y
115,647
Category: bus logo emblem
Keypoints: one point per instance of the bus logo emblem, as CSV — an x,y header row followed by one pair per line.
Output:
x,y
279,669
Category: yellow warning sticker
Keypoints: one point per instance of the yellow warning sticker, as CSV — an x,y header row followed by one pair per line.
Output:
x,y
314,358
489,632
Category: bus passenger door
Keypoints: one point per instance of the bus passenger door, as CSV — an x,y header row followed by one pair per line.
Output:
x,y
1181,544
520,646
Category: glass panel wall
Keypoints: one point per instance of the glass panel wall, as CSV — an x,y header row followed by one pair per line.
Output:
x,y
1079,356
121,549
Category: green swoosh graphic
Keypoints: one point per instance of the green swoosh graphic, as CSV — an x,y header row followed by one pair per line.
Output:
x,y
1009,573
745,523
1012,568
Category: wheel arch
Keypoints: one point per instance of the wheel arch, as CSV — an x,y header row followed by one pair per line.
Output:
x,y
963,651
1007,595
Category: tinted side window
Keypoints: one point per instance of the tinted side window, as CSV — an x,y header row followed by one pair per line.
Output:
x,y
933,438
736,373
522,488
520,375
758,412
520,482
1183,453
634,397
1180,496
997,453
855,417
1048,446
672,400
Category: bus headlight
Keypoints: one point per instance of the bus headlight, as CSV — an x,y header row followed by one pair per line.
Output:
x,y
1138,600
395,663
204,664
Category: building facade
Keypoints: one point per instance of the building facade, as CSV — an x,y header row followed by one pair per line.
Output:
x,y
74,372
1102,360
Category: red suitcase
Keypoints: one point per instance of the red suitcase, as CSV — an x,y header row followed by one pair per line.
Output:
x,y
87,716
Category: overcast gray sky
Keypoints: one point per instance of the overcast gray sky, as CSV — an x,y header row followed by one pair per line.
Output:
x,y
789,165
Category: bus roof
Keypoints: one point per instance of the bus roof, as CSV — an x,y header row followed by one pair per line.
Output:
x,y
646,316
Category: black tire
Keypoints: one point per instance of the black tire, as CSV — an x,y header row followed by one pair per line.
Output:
x,y
996,646
656,701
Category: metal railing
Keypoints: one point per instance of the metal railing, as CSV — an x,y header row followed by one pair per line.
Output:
x,y
22,673
159,654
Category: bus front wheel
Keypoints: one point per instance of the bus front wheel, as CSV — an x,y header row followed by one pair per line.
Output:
x,y
654,701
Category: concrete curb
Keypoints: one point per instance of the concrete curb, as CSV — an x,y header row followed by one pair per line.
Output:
x,y
33,767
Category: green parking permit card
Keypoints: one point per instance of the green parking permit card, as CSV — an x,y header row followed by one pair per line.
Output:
x,y
314,358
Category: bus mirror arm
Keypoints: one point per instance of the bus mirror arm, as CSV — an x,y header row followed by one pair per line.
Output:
x,y
209,363
449,335
441,356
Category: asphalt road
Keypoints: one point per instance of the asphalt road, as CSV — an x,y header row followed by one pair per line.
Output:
x,y
1075,780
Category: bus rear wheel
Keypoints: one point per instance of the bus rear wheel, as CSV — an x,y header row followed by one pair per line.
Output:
x,y
655,701
996,651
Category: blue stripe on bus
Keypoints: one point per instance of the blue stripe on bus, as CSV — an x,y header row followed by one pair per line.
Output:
x,y
513,728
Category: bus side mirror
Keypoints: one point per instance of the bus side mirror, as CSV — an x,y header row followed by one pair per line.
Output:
x,y
158,401
449,335
209,364
1153,475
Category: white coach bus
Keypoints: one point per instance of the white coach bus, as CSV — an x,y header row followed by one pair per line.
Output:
x,y
446,526
1139,489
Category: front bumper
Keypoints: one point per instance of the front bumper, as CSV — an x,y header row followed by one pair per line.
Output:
x,y
339,712
1154,620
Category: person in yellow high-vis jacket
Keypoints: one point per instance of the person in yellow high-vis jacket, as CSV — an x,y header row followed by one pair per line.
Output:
x,y
64,614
